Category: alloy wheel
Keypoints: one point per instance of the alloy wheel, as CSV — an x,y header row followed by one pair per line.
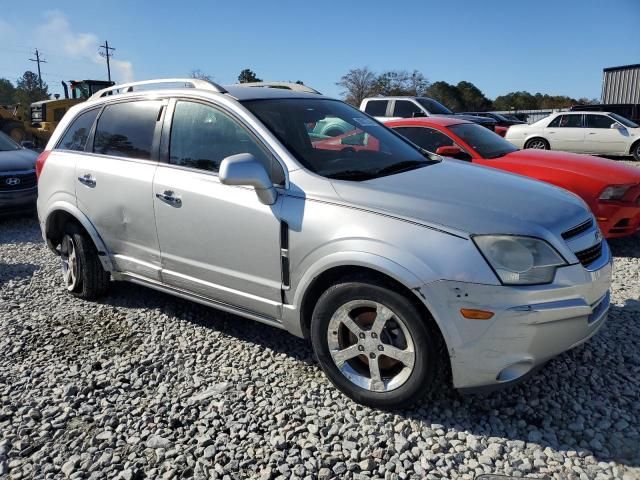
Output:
x,y
539,144
68,254
371,345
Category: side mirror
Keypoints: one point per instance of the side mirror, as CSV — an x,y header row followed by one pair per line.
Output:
x,y
26,144
449,151
617,125
245,169
418,114
453,151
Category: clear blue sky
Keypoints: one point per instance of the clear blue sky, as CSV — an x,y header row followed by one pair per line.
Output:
x,y
556,47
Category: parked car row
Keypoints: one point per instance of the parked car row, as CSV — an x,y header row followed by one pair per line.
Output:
x,y
401,267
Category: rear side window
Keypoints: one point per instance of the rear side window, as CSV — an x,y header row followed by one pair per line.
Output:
x,y
567,121
76,136
405,109
376,108
598,121
126,129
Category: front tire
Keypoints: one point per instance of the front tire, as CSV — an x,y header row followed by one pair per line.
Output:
x,y
82,270
537,143
635,151
375,345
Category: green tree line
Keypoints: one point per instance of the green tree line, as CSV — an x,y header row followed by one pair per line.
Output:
x,y
360,83
26,90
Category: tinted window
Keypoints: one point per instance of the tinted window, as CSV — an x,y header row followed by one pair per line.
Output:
x,y
567,121
485,142
202,136
598,121
624,121
7,144
126,129
433,107
427,138
405,109
376,108
76,136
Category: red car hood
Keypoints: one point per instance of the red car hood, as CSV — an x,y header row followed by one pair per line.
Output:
x,y
608,171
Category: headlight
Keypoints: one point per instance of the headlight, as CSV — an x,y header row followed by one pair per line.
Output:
x,y
614,192
520,260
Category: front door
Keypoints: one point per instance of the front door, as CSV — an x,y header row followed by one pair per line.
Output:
x,y
216,240
114,181
601,138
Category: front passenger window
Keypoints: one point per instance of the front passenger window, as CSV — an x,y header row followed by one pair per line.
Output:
x,y
202,136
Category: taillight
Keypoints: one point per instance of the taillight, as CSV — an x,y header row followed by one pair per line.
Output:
x,y
40,162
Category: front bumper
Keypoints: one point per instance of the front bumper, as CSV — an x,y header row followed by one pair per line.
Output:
x,y
531,324
618,219
16,201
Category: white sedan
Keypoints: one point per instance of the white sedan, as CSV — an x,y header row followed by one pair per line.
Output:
x,y
599,133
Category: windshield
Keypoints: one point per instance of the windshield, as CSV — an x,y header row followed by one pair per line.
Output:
x,y
483,140
335,140
623,120
7,144
434,107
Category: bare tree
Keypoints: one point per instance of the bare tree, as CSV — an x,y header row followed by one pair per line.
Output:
x,y
357,84
200,75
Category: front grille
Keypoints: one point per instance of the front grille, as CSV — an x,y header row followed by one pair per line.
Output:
x,y
578,229
590,255
17,181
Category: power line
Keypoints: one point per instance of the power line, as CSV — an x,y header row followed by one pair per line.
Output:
x,y
107,54
38,60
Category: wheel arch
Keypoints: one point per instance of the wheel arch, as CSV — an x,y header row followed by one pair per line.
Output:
x,y
536,137
53,228
392,275
634,146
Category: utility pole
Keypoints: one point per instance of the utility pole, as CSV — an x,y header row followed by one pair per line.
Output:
x,y
38,60
107,54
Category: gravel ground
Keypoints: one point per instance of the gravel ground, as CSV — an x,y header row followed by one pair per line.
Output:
x,y
144,385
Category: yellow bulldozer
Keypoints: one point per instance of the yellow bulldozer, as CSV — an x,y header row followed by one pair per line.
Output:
x,y
46,114
13,121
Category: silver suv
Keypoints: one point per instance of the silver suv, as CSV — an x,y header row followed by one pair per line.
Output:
x,y
401,268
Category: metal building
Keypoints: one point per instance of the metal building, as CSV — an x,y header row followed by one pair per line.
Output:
x,y
621,84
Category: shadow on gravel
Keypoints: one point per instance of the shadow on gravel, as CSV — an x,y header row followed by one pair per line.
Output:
x,y
566,406
625,246
130,295
16,271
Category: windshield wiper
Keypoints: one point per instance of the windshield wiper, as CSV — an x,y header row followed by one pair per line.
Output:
x,y
497,155
404,166
352,175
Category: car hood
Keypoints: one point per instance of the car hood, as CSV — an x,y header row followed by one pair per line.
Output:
x,y
470,199
608,171
13,160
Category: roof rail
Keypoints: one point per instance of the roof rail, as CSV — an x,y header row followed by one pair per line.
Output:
x,y
283,85
188,83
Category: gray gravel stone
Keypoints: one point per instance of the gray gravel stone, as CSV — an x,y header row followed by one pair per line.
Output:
x,y
143,385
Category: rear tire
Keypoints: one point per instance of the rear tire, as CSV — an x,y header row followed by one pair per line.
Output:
x,y
635,151
82,270
375,345
537,143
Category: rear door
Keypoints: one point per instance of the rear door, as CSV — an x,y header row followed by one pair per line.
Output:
x,y
376,108
114,180
601,138
566,132
218,241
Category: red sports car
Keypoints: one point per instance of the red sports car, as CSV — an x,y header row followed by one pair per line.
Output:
x,y
610,188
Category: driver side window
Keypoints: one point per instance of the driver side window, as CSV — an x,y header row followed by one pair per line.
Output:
x,y
202,136
426,138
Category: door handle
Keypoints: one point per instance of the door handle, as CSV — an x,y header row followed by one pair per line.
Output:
x,y
591,133
170,198
88,180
